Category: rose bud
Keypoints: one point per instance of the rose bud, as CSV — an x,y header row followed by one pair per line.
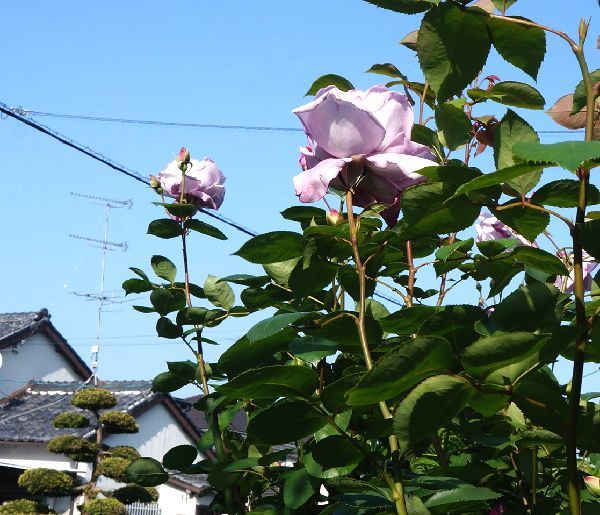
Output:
x,y
593,485
334,217
155,184
183,158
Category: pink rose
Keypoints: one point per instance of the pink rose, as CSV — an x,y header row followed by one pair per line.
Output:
x,y
372,127
567,284
488,228
593,484
203,183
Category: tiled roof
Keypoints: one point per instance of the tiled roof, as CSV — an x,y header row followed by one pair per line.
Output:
x,y
237,424
17,327
27,416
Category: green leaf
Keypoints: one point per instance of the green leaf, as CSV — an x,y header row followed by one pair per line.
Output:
x,y
529,223
590,237
497,177
177,209
168,382
453,125
166,300
343,332
428,137
219,293
312,349
455,324
298,488
402,368
431,209
330,79
305,214
271,326
184,369
452,47
204,228
405,6
180,457
465,498
136,286
333,395
503,5
520,45
511,130
580,95
528,308
510,93
431,405
146,472
458,247
387,69
285,422
336,451
540,260
247,280
272,247
271,382
567,154
304,281
564,193
164,268
165,228
165,328
407,320
494,352
245,354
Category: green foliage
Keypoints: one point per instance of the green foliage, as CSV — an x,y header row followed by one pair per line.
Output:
x,y
94,399
75,447
118,422
180,457
104,507
24,507
202,227
134,493
146,472
123,451
49,482
114,468
329,80
568,154
70,419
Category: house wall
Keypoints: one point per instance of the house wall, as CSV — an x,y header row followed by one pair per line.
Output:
x,y
36,359
159,432
174,501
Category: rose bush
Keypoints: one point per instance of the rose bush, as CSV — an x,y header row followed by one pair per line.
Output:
x,y
489,228
371,128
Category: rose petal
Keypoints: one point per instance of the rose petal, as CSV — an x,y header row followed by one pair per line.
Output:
x,y
398,169
311,185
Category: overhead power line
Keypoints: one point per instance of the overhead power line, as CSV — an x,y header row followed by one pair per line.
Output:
x,y
163,123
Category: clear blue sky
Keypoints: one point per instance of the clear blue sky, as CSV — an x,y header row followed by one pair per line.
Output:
x,y
227,62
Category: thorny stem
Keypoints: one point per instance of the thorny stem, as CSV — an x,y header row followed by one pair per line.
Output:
x,y
199,352
398,490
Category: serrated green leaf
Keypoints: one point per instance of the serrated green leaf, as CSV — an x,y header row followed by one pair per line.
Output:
x,y
540,259
564,193
497,177
272,247
567,154
452,46
165,228
165,328
590,237
528,222
387,69
204,228
405,6
516,94
271,326
336,451
146,472
521,45
330,79
580,95
454,127
402,368
511,130
219,293
136,286
407,320
164,268
166,300
465,498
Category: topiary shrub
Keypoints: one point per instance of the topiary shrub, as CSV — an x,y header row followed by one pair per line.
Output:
x,y
104,507
118,422
24,507
113,468
50,482
70,419
135,493
124,451
75,447
94,399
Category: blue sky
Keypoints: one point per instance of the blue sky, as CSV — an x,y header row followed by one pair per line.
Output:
x,y
227,62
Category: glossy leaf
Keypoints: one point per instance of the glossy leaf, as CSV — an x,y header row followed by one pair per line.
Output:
x,y
167,382
146,472
271,326
330,79
180,457
387,69
568,154
298,488
580,96
590,237
163,268
337,451
204,228
511,130
455,324
405,6
272,247
219,293
510,93
166,300
136,286
452,47
463,499
529,223
454,127
564,193
271,382
165,228
402,368
497,177
431,405
407,320
540,259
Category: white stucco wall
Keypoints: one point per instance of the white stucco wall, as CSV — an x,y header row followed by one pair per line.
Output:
x,y
31,455
176,502
36,359
159,432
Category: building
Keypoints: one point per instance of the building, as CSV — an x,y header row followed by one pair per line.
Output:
x,y
40,372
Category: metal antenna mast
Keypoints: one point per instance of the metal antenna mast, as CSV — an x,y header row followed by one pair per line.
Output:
x,y
105,245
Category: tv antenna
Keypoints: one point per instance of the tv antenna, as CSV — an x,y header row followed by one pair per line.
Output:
x,y
105,245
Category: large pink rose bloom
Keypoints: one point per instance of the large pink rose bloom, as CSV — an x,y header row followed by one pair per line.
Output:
x,y
203,183
488,228
372,127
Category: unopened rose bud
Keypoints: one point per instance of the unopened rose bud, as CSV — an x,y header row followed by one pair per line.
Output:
x,y
334,217
593,484
155,184
583,30
183,156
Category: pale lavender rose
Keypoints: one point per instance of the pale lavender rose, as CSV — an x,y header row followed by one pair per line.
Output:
x,y
203,184
371,127
488,228
567,284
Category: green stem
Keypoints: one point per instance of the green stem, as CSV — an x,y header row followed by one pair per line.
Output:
x,y
398,491
579,290
221,457
534,473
